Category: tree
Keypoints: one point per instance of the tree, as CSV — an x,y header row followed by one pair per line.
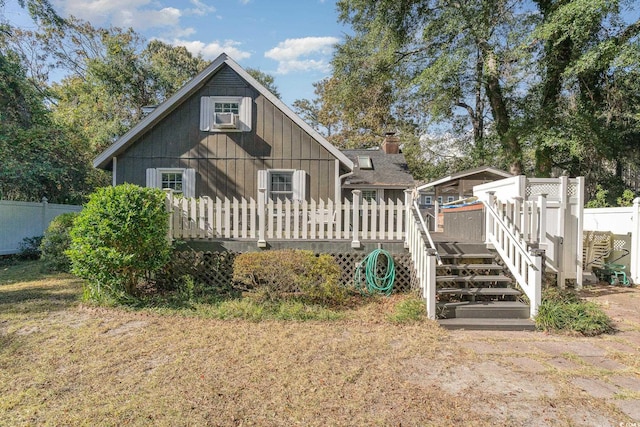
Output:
x,y
265,79
545,79
446,57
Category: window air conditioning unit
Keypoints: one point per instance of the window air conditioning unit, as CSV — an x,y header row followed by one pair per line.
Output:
x,y
224,120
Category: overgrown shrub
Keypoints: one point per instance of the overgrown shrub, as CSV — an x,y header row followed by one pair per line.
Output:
x,y
566,311
275,275
118,238
29,248
56,242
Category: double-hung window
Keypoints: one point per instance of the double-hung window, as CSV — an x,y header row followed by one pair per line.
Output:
x,y
282,184
182,181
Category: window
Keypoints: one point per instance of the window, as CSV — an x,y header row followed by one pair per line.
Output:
x,y
364,162
427,200
226,107
182,181
281,185
370,195
172,180
440,199
450,199
225,113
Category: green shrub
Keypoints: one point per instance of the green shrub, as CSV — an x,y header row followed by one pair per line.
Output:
x,y
566,311
118,238
56,242
29,248
274,275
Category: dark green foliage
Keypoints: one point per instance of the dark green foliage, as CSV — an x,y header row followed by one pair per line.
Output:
x,y
29,248
566,311
118,239
275,275
56,242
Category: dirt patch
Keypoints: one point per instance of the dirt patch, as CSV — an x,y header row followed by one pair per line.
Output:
x,y
128,327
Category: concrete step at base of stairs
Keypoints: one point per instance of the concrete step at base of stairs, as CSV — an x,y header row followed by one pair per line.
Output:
x,y
489,324
485,310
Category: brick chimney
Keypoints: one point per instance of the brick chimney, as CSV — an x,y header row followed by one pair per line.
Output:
x,y
391,143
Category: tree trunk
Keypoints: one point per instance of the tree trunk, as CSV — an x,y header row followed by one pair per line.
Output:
x,y
508,139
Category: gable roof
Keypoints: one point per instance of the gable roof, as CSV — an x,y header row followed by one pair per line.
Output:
x,y
483,171
125,141
389,170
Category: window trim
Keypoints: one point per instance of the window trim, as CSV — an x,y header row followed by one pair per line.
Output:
x,y
161,171
154,179
207,113
271,192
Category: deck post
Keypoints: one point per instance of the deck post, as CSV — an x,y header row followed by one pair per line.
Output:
x,y
262,243
535,281
635,242
355,242
408,201
170,210
431,283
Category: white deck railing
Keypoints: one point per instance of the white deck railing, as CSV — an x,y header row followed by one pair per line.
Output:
x,y
355,220
510,228
424,255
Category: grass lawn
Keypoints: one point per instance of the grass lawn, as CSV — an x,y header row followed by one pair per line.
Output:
x,y
66,363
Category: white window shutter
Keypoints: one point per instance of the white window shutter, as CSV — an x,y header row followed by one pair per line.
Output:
x,y
205,113
189,183
152,178
262,183
245,114
299,185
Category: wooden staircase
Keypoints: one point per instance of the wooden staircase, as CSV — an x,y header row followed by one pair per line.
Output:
x,y
474,290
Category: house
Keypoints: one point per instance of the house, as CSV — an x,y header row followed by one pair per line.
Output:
x,y
224,135
380,173
458,186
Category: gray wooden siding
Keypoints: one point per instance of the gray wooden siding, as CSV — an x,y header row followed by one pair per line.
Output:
x,y
227,164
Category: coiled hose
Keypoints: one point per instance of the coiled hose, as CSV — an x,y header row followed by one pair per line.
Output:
x,y
374,282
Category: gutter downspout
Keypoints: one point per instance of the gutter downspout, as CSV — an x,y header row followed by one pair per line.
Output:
x,y
339,181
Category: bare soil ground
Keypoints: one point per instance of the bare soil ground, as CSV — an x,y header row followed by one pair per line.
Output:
x,y
62,363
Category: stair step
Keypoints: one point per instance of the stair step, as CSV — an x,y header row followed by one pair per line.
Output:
x,y
466,255
472,266
489,324
480,291
485,310
474,278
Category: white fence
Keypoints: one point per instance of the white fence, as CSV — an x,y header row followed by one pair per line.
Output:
x,y
561,234
621,221
356,220
19,220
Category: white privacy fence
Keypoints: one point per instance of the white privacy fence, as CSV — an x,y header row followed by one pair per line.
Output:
x,y
619,221
356,220
19,220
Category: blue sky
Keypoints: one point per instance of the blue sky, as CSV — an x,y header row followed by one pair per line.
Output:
x,y
291,40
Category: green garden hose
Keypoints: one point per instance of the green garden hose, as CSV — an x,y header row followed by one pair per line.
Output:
x,y
376,278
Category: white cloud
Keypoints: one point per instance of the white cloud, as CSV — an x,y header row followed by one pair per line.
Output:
x,y
200,8
137,14
303,54
212,50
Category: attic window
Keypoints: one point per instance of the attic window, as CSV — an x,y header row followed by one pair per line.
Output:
x,y
365,162
225,113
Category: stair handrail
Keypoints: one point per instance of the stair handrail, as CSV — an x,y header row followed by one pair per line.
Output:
x,y
423,224
530,280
